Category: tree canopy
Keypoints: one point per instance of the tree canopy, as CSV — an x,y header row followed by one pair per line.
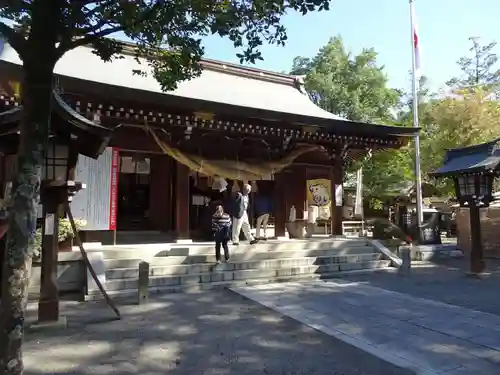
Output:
x,y
467,118
478,69
356,87
351,86
168,32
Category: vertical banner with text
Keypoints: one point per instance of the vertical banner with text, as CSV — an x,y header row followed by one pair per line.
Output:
x,y
113,196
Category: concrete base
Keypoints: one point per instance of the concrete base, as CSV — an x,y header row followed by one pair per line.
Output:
x,y
395,260
88,246
183,242
58,324
282,238
178,251
96,259
433,252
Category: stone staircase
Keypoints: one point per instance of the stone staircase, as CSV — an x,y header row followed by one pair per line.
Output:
x,y
191,267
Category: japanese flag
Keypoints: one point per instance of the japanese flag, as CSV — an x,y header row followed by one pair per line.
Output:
x,y
416,41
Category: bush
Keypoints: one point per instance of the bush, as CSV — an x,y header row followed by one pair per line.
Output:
x,y
65,232
384,229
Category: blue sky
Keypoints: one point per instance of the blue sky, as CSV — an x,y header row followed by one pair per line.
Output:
x,y
444,28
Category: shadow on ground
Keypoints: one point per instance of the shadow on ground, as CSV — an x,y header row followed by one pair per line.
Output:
x,y
446,282
217,332
432,337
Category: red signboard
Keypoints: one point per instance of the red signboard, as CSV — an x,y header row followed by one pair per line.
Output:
x,y
113,199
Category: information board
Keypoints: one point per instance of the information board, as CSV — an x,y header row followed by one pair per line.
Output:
x,y
97,203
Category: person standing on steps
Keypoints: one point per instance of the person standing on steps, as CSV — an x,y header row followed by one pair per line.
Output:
x,y
263,208
221,226
240,216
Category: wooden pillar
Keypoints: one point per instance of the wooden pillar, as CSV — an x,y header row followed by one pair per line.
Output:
x,y
160,207
280,214
477,265
48,304
336,211
295,190
181,201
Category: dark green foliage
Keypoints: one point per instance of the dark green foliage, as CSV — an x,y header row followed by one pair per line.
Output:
x,y
351,86
167,32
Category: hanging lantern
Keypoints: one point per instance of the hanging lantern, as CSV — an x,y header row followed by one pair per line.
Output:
x,y
56,162
254,186
236,187
219,184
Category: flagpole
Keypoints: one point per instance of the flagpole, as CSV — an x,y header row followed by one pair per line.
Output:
x,y
418,178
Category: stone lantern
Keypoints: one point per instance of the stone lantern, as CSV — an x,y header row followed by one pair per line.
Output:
x,y
71,134
473,170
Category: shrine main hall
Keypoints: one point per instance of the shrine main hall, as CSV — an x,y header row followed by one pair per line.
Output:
x,y
169,150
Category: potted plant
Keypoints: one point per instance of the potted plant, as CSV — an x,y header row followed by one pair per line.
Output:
x,y
66,235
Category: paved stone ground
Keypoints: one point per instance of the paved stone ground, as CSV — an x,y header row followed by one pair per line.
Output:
x,y
210,333
446,283
428,336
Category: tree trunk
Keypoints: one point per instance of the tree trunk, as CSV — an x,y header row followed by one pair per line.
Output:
x,y
37,94
39,58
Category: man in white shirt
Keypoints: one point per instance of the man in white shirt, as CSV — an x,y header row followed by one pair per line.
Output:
x,y
240,216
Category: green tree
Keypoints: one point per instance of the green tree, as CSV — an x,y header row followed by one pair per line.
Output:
x,y
351,86
478,69
167,32
399,165
404,106
386,172
355,87
467,118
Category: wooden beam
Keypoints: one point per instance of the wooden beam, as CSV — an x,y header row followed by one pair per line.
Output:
x,y
182,203
176,116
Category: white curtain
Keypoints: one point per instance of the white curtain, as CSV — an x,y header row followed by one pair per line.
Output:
x,y
358,205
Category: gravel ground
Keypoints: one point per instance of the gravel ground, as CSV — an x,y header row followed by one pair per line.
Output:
x,y
446,283
210,333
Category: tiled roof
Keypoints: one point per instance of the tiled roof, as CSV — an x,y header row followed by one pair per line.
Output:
x,y
478,158
97,137
219,82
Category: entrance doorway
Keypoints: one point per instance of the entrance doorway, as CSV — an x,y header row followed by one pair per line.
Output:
x,y
133,192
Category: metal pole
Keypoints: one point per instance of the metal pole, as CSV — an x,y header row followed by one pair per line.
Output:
x,y
418,178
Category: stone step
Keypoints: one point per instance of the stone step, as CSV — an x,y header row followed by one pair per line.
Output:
x,y
237,256
195,288
150,250
270,248
185,269
248,274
